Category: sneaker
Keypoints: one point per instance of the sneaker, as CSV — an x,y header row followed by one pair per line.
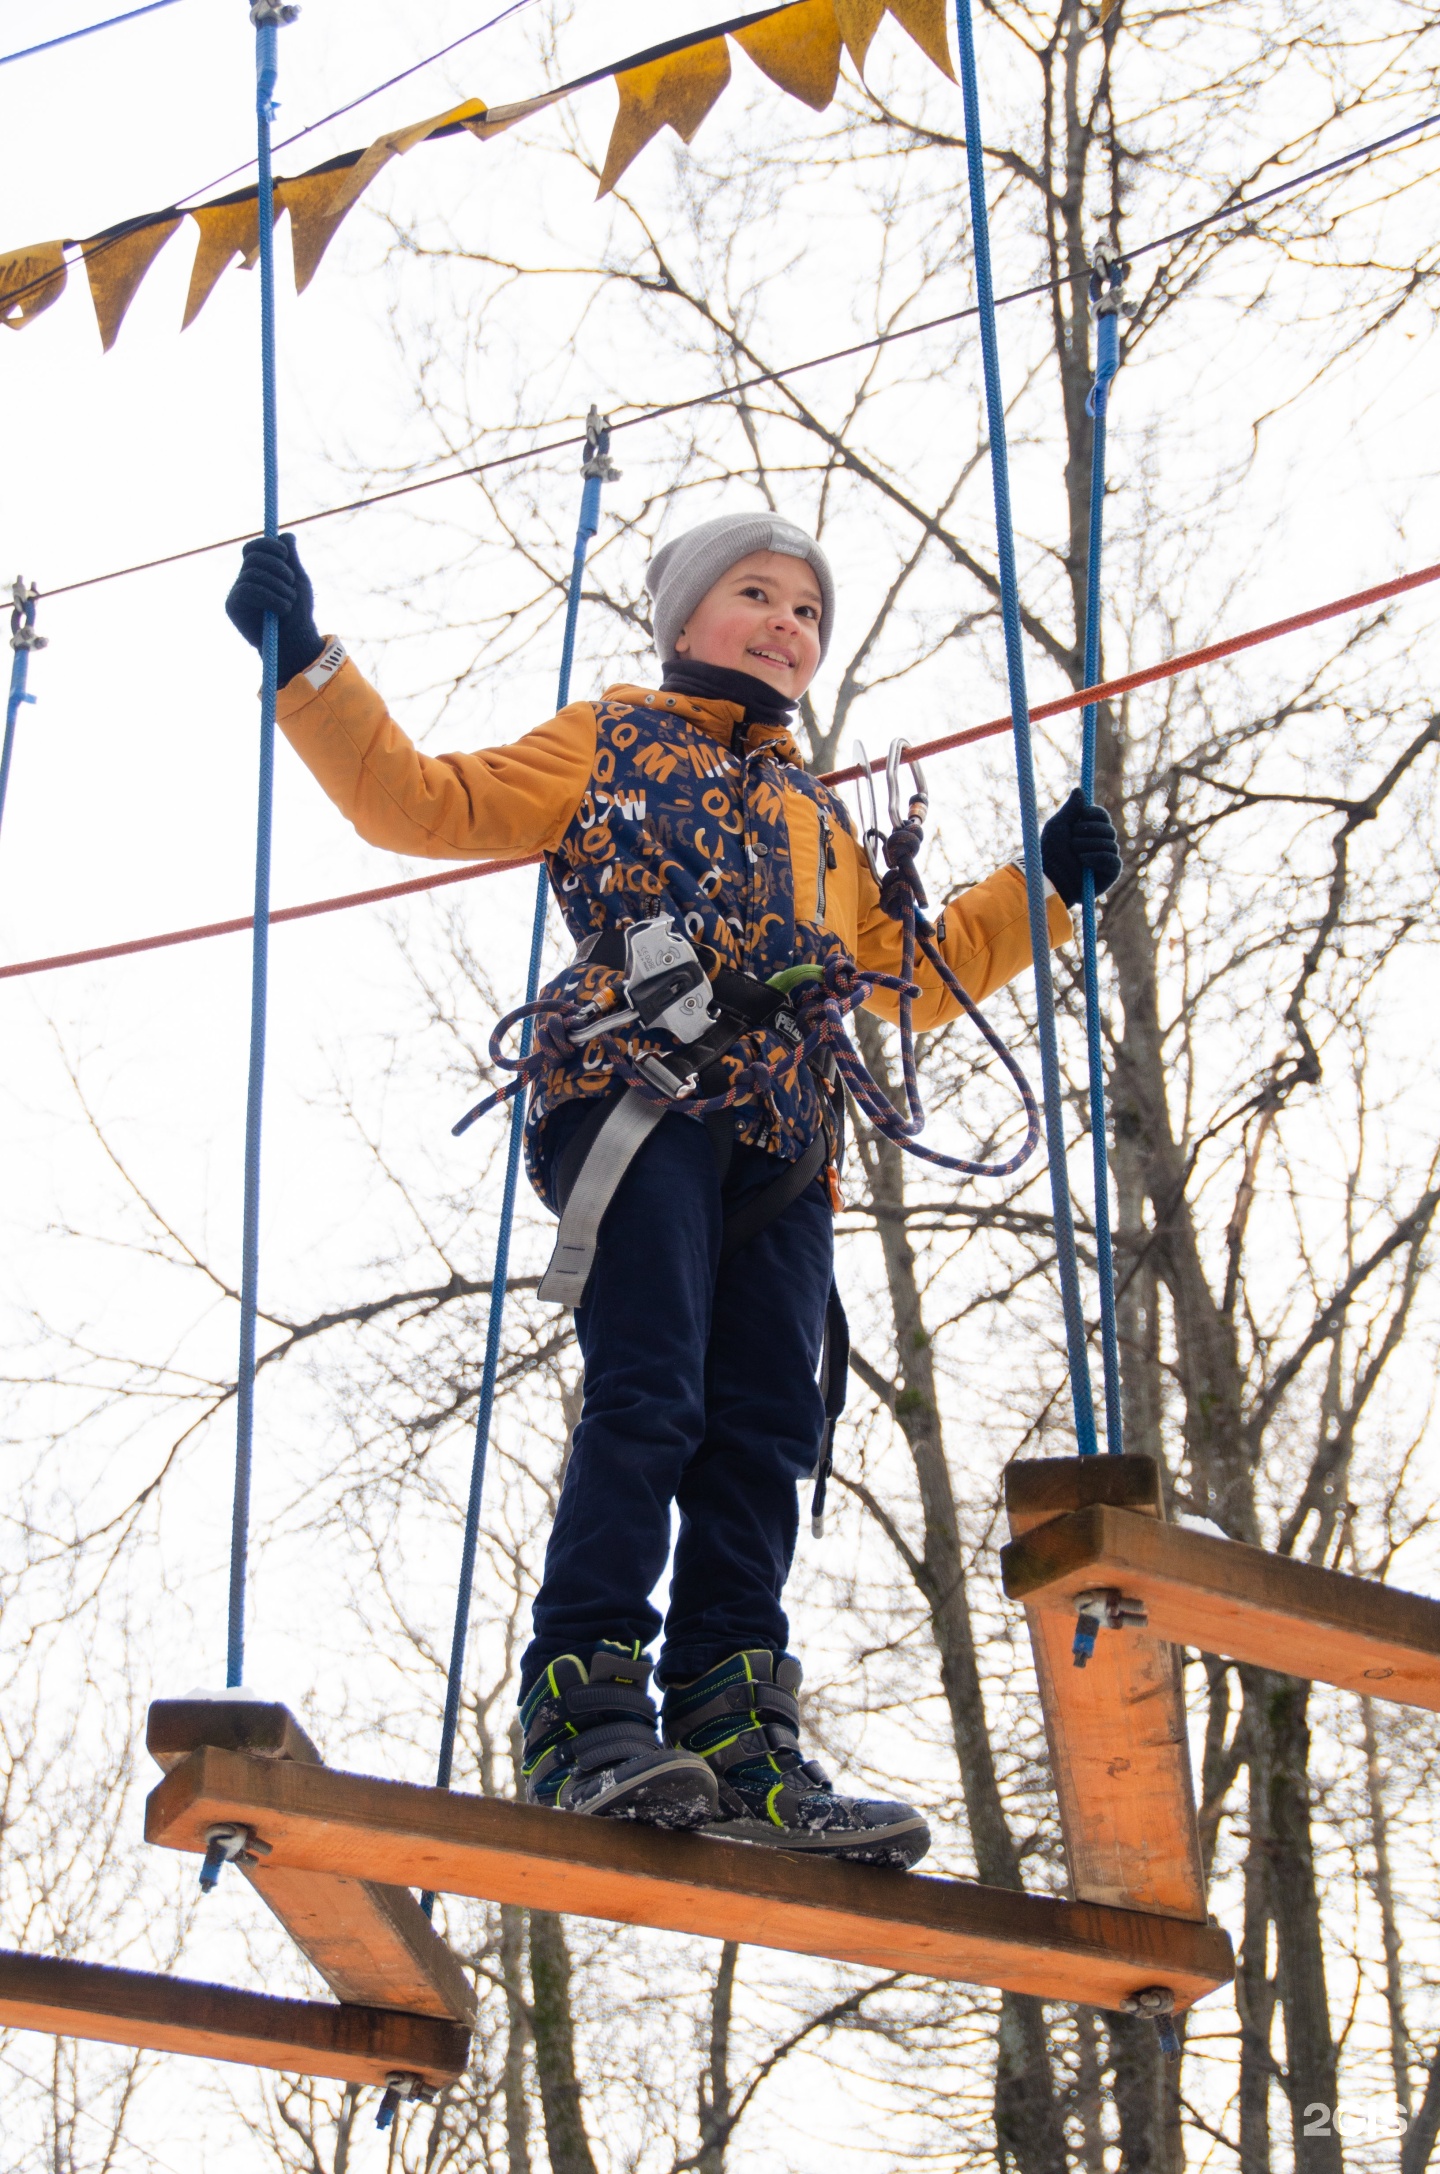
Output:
x,y
743,1718
591,1745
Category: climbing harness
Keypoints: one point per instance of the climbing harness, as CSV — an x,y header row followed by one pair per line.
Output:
x,y
596,469
23,639
1108,305
1065,1253
663,985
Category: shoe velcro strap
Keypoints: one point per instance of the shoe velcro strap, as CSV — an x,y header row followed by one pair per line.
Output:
x,y
603,1747
750,1744
609,1698
768,1698
741,1698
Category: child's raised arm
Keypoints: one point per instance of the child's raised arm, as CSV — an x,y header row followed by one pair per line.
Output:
x,y
490,805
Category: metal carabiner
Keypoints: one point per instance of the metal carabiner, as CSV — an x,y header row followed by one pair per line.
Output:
x,y
872,837
919,805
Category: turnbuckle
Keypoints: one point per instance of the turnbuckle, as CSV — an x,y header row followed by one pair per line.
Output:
x,y
1108,1609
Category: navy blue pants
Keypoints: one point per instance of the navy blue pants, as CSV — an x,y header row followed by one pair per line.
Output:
x,y
700,1390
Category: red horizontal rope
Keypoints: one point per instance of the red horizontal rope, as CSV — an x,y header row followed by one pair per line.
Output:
x,y
1107,691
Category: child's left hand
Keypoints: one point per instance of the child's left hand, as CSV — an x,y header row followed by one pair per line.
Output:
x,y
1075,839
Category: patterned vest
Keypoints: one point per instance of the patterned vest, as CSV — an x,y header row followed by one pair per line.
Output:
x,y
674,821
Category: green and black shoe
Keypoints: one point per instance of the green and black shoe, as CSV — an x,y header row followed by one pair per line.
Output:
x,y
591,1745
743,1718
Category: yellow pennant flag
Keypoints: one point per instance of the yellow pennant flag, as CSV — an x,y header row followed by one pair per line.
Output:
x,y
30,280
676,91
928,22
799,51
115,264
318,201
494,120
858,21
227,230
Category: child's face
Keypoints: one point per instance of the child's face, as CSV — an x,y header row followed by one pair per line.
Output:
x,y
763,617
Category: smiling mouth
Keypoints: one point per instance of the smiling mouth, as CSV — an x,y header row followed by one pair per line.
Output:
x,y
774,656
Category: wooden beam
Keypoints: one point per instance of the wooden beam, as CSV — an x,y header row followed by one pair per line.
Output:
x,y
317,1820
373,1945
1119,1747
215,2023
1237,1601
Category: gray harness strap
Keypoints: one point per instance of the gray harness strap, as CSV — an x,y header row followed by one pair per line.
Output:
x,y
614,1148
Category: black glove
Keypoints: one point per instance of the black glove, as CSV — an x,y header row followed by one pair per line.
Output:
x,y
271,578
1075,839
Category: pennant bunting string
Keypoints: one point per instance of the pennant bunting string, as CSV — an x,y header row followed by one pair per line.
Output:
x,y
797,45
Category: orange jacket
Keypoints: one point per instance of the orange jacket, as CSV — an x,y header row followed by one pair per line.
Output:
x,y
504,802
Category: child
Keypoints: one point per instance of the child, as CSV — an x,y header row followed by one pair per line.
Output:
x,y
700,1360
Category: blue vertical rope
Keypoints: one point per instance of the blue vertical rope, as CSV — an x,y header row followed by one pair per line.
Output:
x,y
596,470
267,19
23,639
1024,751
1107,362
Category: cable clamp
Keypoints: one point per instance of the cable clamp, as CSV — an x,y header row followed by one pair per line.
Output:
x,y
24,595
278,12
1157,2002
1108,273
1104,1609
227,1845
596,464
400,2089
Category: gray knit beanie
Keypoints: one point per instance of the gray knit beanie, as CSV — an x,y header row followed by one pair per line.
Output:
x,y
688,567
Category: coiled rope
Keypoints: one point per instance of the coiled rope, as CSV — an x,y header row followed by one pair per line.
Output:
x,y
820,1006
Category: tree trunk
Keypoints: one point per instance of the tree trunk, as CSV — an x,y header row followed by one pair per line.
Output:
x,y
1300,1953
553,2025
1254,1991
1089,2096
1139,2067
1385,1898
714,2093
1420,2137
1027,2116
517,2105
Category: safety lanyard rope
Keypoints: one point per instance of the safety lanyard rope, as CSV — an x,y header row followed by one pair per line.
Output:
x,y
1106,283
596,470
23,639
818,1005
1065,1253
267,16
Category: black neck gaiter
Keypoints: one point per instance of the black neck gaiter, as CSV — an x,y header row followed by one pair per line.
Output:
x,y
762,703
